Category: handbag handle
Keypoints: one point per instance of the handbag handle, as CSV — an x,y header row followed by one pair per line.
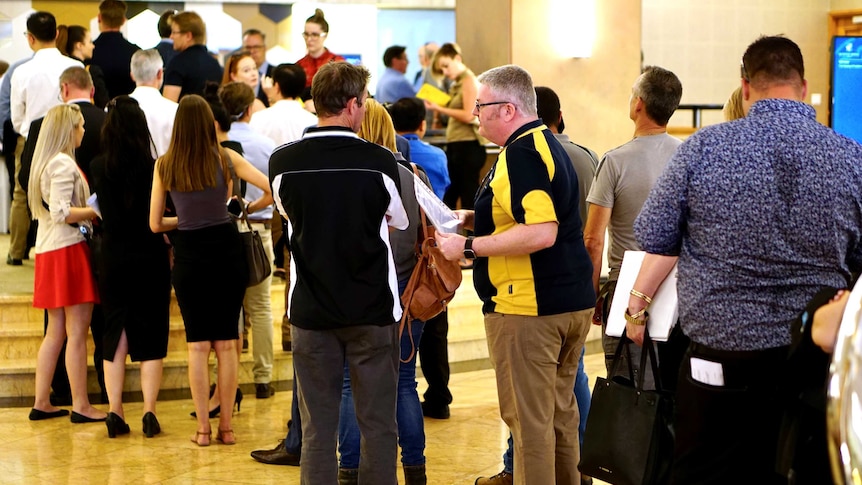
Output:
x,y
235,183
646,349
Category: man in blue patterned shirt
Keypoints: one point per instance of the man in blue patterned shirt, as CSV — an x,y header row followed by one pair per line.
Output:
x,y
762,212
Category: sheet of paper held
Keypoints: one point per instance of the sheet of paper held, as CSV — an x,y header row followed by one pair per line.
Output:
x,y
662,312
443,219
93,201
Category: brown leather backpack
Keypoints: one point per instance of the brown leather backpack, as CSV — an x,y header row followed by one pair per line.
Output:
x,y
432,284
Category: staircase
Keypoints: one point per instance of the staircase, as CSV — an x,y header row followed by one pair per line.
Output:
x,y
21,330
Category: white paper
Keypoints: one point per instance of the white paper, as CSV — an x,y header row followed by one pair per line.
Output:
x,y
707,372
441,216
663,310
93,201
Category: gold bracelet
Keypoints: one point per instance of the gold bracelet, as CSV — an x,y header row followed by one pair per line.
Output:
x,y
640,295
635,320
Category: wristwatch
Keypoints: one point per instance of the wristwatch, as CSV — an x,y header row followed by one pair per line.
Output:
x,y
468,248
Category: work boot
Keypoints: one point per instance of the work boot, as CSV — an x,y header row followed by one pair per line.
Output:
x,y
414,475
502,478
348,476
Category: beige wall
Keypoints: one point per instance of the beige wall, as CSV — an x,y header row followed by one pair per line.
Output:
x,y
594,92
845,4
703,42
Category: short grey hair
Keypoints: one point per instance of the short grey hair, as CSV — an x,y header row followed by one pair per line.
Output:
x,y
513,83
146,65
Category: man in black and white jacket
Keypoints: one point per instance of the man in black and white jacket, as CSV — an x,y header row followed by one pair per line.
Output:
x,y
339,194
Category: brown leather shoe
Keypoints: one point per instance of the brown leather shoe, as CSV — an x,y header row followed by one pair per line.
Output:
x,y
502,478
276,456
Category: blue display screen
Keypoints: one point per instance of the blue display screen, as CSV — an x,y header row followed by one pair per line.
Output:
x,y
846,100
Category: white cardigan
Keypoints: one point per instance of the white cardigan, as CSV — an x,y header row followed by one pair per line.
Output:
x,y
63,186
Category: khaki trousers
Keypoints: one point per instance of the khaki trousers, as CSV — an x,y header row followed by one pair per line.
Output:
x,y
535,361
19,214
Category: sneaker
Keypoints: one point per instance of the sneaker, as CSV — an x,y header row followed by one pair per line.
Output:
x,y
263,391
502,478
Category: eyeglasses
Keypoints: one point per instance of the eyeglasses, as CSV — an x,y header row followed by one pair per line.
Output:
x,y
313,35
177,32
253,47
742,71
479,105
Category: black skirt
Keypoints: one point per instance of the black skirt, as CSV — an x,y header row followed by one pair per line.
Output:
x,y
135,287
209,279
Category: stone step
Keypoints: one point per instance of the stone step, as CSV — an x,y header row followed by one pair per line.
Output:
x,y
21,329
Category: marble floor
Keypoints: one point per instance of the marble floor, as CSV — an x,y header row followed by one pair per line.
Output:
x,y
459,449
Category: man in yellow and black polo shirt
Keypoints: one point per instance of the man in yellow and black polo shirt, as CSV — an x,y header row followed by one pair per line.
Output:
x,y
533,275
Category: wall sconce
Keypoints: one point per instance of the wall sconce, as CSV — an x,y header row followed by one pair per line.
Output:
x,y
572,27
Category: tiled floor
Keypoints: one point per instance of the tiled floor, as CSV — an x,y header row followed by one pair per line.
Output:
x,y
459,449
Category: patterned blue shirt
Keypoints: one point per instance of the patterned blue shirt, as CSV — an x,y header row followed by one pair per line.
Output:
x,y
763,212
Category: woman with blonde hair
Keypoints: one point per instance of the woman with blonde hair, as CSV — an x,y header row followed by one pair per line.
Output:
x,y
209,273
735,107
63,283
377,128
465,153
240,67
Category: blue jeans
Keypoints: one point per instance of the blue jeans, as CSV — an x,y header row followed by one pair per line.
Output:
x,y
293,440
582,395
411,427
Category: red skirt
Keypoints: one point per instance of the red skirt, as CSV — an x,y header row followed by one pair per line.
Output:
x,y
64,277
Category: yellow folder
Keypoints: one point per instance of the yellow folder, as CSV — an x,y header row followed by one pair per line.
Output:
x,y
433,94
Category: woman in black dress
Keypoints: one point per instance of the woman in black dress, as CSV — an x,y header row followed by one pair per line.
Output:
x,y
130,256
209,273
134,263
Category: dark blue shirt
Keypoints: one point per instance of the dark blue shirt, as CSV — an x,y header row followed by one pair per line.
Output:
x,y
763,212
113,54
191,69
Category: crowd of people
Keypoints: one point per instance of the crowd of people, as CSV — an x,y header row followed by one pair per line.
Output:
x,y
129,157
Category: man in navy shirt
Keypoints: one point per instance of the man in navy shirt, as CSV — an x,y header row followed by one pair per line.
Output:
x,y
113,53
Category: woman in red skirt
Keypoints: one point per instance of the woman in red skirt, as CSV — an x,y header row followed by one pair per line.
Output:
x,y
64,283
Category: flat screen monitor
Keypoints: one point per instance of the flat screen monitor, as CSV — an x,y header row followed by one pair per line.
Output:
x,y
846,88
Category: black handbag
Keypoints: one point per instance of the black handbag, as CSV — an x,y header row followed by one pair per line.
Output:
x,y
259,267
629,438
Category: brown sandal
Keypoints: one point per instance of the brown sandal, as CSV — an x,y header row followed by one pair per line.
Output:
x,y
194,438
220,437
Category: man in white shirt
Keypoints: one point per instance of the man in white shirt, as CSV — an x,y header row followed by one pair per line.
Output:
x,y
283,122
35,90
286,119
148,73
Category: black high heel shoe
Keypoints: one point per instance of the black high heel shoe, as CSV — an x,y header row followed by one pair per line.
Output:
x,y
214,412
151,425
116,425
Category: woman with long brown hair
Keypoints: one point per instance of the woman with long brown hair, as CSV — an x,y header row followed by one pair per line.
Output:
x,y
209,273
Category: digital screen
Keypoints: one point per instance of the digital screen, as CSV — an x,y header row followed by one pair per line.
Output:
x,y
846,100
355,59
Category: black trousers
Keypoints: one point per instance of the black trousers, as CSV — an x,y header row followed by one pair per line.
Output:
x,y
728,434
465,161
434,360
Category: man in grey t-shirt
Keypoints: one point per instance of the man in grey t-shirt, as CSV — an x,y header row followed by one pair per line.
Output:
x,y
623,181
